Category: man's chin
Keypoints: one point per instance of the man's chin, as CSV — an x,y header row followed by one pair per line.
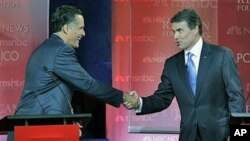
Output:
x,y
180,47
75,46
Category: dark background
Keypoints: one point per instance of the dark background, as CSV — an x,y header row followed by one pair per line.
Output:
x,y
94,55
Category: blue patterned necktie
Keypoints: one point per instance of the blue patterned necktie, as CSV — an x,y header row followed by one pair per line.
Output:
x,y
191,72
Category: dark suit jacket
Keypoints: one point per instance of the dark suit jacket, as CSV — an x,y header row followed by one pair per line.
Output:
x,y
52,74
218,93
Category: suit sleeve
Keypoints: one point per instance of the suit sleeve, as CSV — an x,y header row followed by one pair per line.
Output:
x,y
231,77
161,98
71,72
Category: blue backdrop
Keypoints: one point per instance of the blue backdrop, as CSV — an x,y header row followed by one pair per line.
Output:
x,y
95,56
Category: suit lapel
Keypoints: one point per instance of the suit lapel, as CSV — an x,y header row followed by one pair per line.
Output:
x,y
183,73
205,61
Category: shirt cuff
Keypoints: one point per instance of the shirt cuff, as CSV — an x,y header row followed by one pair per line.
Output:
x,y
138,110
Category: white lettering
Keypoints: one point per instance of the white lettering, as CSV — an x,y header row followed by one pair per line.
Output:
x,y
13,43
240,132
9,56
243,57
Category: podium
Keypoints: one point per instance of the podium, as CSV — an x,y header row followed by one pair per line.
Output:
x,y
239,118
44,127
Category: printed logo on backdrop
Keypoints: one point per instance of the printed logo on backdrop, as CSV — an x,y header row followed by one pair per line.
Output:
x,y
243,57
10,42
8,53
171,114
206,31
177,3
17,41
247,97
12,84
10,4
146,118
206,27
194,3
15,28
154,19
157,57
134,38
134,78
167,29
243,5
161,138
186,3
161,121
7,109
240,30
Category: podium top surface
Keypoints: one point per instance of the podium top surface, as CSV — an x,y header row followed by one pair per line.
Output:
x,y
242,115
239,118
52,116
8,122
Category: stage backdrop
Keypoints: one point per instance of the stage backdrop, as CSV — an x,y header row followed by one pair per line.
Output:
x,y
23,25
142,40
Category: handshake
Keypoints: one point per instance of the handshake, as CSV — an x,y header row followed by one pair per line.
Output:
x,y
131,100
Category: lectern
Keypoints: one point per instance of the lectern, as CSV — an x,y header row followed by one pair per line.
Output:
x,y
44,127
239,118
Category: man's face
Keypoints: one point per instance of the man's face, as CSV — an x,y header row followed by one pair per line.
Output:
x,y
184,36
75,31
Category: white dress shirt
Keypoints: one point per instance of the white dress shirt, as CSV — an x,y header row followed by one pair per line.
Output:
x,y
196,51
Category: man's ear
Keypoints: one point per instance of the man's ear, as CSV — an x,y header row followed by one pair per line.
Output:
x,y
65,29
196,29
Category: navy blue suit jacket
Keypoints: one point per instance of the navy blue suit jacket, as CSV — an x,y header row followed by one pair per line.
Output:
x,y
52,74
218,93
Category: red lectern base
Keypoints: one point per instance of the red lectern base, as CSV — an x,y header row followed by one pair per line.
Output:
x,y
47,133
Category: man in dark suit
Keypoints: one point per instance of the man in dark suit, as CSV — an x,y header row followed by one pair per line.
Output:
x,y
53,71
215,89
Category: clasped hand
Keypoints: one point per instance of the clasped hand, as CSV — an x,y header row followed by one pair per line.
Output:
x,y
131,100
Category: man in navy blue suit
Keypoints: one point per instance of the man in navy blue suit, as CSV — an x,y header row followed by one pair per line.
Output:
x,y
214,93
53,71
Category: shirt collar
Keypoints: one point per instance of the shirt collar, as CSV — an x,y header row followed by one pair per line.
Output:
x,y
59,37
196,49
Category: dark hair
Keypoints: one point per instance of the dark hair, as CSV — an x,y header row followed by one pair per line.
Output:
x,y
190,17
63,15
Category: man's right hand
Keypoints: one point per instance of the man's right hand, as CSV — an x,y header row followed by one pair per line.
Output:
x,y
131,100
